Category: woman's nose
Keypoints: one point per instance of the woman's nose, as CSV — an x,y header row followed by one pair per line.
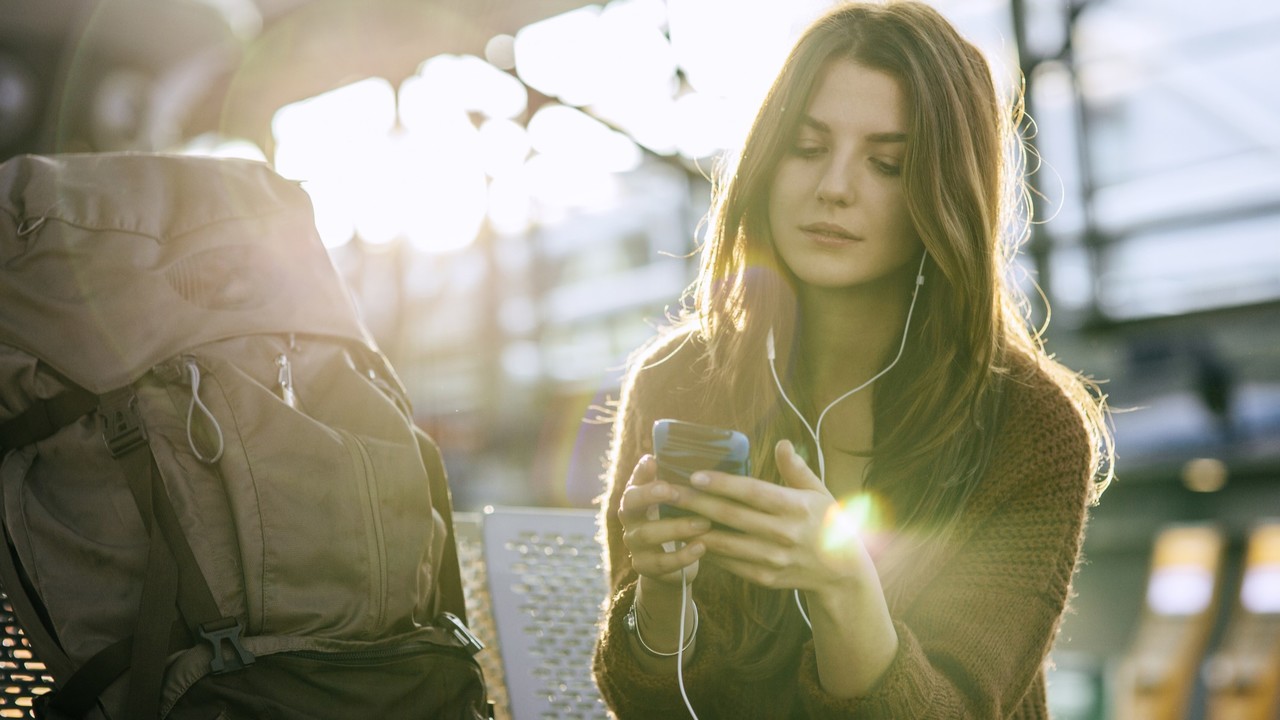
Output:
x,y
835,187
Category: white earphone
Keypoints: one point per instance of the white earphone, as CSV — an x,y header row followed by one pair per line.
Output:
x,y
816,428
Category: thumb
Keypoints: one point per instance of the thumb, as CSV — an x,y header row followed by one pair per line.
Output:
x,y
795,472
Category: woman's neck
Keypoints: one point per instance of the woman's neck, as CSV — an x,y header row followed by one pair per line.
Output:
x,y
850,334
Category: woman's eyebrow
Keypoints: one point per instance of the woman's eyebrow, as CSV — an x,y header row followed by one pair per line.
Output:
x,y
878,137
816,124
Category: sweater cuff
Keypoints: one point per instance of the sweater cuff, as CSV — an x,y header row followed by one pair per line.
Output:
x,y
633,691
901,692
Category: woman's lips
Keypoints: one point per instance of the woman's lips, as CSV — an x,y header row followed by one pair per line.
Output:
x,y
829,234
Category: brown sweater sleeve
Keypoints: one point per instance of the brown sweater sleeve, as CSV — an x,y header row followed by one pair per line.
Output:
x,y
972,644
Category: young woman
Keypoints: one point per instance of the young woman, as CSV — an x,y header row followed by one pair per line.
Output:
x,y
921,468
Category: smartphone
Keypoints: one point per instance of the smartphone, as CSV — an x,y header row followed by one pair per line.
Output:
x,y
683,448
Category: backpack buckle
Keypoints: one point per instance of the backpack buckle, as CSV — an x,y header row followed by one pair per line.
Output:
x,y
460,632
122,427
227,629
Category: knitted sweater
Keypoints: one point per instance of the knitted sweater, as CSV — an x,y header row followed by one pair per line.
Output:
x,y
974,625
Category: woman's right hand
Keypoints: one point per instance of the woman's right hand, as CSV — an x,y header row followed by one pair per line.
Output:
x,y
664,552
645,534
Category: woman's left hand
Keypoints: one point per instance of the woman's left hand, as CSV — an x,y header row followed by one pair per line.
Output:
x,y
781,543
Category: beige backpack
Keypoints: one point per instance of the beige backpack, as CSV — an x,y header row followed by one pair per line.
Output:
x,y
215,499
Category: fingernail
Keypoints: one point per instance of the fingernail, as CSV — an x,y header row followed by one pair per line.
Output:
x,y
697,548
700,524
660,491
699,479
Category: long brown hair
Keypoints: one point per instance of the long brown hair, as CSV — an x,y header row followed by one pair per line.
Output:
x,y
966,195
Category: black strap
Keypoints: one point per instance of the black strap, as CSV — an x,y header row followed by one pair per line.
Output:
x,y
82,689
195,599
157,609
46,417
47,649
450,575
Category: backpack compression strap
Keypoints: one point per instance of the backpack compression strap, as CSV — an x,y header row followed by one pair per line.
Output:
x,y
46,417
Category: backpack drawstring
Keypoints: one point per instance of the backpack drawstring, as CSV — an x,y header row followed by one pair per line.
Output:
x,y
193,371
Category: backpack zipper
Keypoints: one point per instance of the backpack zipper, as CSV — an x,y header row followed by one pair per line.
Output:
x,y
399,651
284,380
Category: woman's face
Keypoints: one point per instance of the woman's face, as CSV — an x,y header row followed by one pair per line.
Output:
x,y
836,206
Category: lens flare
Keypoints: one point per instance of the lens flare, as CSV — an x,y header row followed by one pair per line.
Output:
x,y
850,521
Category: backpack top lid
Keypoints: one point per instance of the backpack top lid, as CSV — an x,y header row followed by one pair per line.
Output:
x,y
113,262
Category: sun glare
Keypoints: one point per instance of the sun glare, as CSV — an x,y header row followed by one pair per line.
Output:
x,y
850,521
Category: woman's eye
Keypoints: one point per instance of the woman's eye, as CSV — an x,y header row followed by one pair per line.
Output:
x,y
887,169
806,151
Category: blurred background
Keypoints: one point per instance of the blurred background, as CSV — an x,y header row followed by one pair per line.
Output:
x,y
513,191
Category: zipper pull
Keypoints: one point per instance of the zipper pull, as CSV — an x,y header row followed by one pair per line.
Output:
x,y
285,380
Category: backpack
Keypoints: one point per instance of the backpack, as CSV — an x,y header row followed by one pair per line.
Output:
x,y
215,501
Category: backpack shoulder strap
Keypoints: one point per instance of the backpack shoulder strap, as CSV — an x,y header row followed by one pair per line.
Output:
x,y
46,417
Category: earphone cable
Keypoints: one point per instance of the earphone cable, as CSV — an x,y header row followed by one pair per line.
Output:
x,y
815,429
684,607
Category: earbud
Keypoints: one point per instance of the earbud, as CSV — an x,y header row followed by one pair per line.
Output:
x,y
768,344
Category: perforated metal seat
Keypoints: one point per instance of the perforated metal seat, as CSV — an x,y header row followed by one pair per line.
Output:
x,y
25,678
545,588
